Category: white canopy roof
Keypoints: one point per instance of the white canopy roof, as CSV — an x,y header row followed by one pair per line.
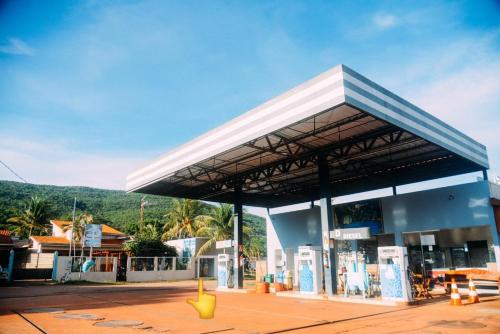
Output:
x,y
365,130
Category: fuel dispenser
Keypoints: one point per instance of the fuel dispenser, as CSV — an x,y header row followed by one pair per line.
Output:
x,y
280,266
224,270
309,269
393,265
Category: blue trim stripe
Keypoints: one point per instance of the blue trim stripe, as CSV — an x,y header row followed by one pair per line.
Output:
x,y
390,106
408,104
383,116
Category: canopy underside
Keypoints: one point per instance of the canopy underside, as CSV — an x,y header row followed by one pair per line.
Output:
x,y
280,168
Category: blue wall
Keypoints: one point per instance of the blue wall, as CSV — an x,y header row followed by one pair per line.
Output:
x,y
298,228
463,205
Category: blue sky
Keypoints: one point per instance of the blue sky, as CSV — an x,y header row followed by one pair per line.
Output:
x,y
89,90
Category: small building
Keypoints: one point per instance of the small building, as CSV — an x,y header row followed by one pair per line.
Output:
x,y
189,247
111,243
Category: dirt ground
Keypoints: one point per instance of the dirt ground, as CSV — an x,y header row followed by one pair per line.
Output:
x,y
162,308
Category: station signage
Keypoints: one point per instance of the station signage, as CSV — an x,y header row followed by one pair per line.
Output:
x,y
223,244
93,235
357,233
427,240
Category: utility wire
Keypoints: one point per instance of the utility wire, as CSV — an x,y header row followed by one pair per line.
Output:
x,y
12,171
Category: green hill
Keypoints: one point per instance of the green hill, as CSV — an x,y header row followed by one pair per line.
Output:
x,y
118,208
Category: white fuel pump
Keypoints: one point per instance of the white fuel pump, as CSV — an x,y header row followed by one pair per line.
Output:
x,y
224,269
393,265
279,263
309,269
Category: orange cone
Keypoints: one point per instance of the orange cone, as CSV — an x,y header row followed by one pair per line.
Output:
x,y
456,300
473,296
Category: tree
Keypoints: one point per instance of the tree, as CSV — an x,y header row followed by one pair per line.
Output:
x,y
182,219
254,249
79,226
35,217
254,243
217,226
78,229
148,243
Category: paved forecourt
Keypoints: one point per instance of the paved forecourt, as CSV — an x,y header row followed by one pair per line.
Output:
x,y
162,308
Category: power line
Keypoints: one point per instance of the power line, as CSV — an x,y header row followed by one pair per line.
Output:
x,y
12,171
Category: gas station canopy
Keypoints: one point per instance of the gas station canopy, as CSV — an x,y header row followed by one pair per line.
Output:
x,y
370,138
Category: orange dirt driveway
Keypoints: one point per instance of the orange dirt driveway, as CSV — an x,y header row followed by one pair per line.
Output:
x,y
162,308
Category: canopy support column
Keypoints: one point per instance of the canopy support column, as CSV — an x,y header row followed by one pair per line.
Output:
x,y
238,236
327,225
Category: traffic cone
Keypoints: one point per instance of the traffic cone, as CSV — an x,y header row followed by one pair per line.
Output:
x,y
455,296
473,296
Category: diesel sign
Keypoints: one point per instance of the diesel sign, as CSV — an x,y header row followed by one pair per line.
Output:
x,y
357,233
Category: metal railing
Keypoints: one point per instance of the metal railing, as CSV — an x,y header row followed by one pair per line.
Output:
x,y
184,263
165,263
159,263
102,264
142,263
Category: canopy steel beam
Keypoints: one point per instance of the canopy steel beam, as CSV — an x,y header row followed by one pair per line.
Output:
x,y
339,149
273,147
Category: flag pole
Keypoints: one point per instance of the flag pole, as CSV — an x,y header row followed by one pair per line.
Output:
x,y
72,231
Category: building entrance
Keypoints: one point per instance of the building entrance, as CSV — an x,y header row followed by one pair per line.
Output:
x,y
431,253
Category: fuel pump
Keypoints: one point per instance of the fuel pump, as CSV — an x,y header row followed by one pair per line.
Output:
x,y
309,269
393,270
225,264
280,266
224,270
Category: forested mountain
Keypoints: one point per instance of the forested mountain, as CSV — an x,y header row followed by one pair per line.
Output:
x,y
117,208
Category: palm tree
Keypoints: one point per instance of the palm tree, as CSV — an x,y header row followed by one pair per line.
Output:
x,y
182,219
78,229
149,232
253,251
217,226
79,226
34,218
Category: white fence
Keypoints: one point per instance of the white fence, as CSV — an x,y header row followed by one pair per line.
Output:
x,y
68,269
147,269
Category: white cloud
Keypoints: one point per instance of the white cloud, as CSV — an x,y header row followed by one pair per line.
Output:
x,y
467,99
384,20
17,47
463,94
56,163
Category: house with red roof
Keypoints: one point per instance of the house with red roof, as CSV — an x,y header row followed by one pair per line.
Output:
x,y
6,244
111,243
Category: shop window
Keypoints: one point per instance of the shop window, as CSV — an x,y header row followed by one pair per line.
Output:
x,y
478,253
452,248
459,257
360,214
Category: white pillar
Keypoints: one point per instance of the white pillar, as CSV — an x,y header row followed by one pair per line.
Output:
x,y
496,249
